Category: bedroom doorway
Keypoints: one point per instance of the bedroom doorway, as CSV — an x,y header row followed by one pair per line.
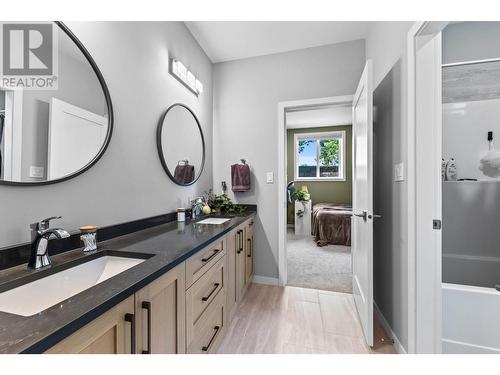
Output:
x,y
319,195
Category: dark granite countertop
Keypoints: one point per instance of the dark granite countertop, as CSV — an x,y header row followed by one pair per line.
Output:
x,y
169,244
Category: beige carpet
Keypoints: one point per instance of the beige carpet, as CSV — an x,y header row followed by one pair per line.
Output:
x,y
325,268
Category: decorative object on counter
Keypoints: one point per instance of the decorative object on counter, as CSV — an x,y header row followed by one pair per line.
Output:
x,y
206,209
240,176
181,214
490,163
222,204
451,170
88,236
224,187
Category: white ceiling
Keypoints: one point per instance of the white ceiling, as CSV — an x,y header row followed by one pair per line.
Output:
x,y
232,40
320,117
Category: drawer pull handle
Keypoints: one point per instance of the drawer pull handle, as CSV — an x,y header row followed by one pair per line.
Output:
x,y
131,319
204,260
205,348
147,306
240,241
216,285
250,250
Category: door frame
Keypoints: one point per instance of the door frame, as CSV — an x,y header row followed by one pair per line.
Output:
x,y
283,107
424,300
13,134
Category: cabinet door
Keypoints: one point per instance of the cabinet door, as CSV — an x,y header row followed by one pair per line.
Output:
x,y
232,297
111,333
240,263
160,309
249,267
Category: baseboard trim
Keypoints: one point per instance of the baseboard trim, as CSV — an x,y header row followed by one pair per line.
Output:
x,y
397,344
265,280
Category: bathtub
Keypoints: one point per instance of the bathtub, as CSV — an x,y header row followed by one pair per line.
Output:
x,y
471,319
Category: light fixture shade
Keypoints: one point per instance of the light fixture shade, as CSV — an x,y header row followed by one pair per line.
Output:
x,y
199,86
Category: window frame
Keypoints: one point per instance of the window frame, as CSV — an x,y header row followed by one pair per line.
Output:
x,y
318,136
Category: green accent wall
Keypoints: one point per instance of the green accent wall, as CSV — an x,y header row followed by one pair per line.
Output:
x,y
322,191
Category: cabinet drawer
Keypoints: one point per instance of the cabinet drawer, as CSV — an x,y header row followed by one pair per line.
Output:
x,y
199,263
204,290
206,335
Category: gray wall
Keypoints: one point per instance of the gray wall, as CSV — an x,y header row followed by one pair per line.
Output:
x,y
466,41
386,46
128,182
246,97
389,261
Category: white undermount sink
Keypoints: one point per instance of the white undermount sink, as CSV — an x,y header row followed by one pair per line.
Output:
x,y
36,296
213,220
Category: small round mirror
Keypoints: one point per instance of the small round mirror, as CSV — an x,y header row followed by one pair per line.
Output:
x,y
181,145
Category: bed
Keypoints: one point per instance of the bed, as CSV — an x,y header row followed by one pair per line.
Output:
x,y
331,224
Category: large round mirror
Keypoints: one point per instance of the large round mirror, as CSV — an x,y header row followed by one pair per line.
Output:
x,y
181,146
56,115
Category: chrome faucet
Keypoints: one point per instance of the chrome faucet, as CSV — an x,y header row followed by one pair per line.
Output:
x,y
40,235
196,207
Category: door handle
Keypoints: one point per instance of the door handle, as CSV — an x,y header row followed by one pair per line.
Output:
x,y
374,216
364,215
250,248
204,260
131,319
204,299
147,306
216,330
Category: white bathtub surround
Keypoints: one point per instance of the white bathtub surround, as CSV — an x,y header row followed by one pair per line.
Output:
x,y
470,319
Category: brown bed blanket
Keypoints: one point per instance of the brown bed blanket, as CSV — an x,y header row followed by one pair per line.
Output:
x,y
331,224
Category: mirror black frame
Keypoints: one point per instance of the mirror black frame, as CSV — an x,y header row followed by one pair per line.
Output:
x,y
109,105
160,148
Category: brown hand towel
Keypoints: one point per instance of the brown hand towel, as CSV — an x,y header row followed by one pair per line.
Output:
x,y
240,177
184,174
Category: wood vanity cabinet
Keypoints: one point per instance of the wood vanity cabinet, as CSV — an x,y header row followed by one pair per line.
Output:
x,y
111,333
187,309
160,314
249,250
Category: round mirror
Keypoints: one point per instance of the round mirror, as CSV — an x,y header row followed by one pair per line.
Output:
x,y
181,145
56,116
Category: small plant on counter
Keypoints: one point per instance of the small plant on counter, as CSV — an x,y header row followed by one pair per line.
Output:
x,y
222,204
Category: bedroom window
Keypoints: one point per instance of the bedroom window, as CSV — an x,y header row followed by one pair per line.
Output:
x,y
320,156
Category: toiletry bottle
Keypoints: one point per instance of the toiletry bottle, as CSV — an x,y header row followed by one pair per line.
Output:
x,y
451,170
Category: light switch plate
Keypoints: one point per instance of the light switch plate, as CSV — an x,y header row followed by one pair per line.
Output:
x,y
36,172
270,177
399,173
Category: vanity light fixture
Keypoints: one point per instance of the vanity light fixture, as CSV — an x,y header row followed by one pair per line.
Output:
x,y
186,77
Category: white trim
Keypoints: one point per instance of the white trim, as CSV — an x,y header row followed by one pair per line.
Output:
x,y
470,62
282,179
264,280
388,330
418,305
13,134
317,136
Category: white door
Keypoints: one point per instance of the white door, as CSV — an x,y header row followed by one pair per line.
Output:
x,y
362,202
75,138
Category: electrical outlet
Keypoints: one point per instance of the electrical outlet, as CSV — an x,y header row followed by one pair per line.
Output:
x,y
36,172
